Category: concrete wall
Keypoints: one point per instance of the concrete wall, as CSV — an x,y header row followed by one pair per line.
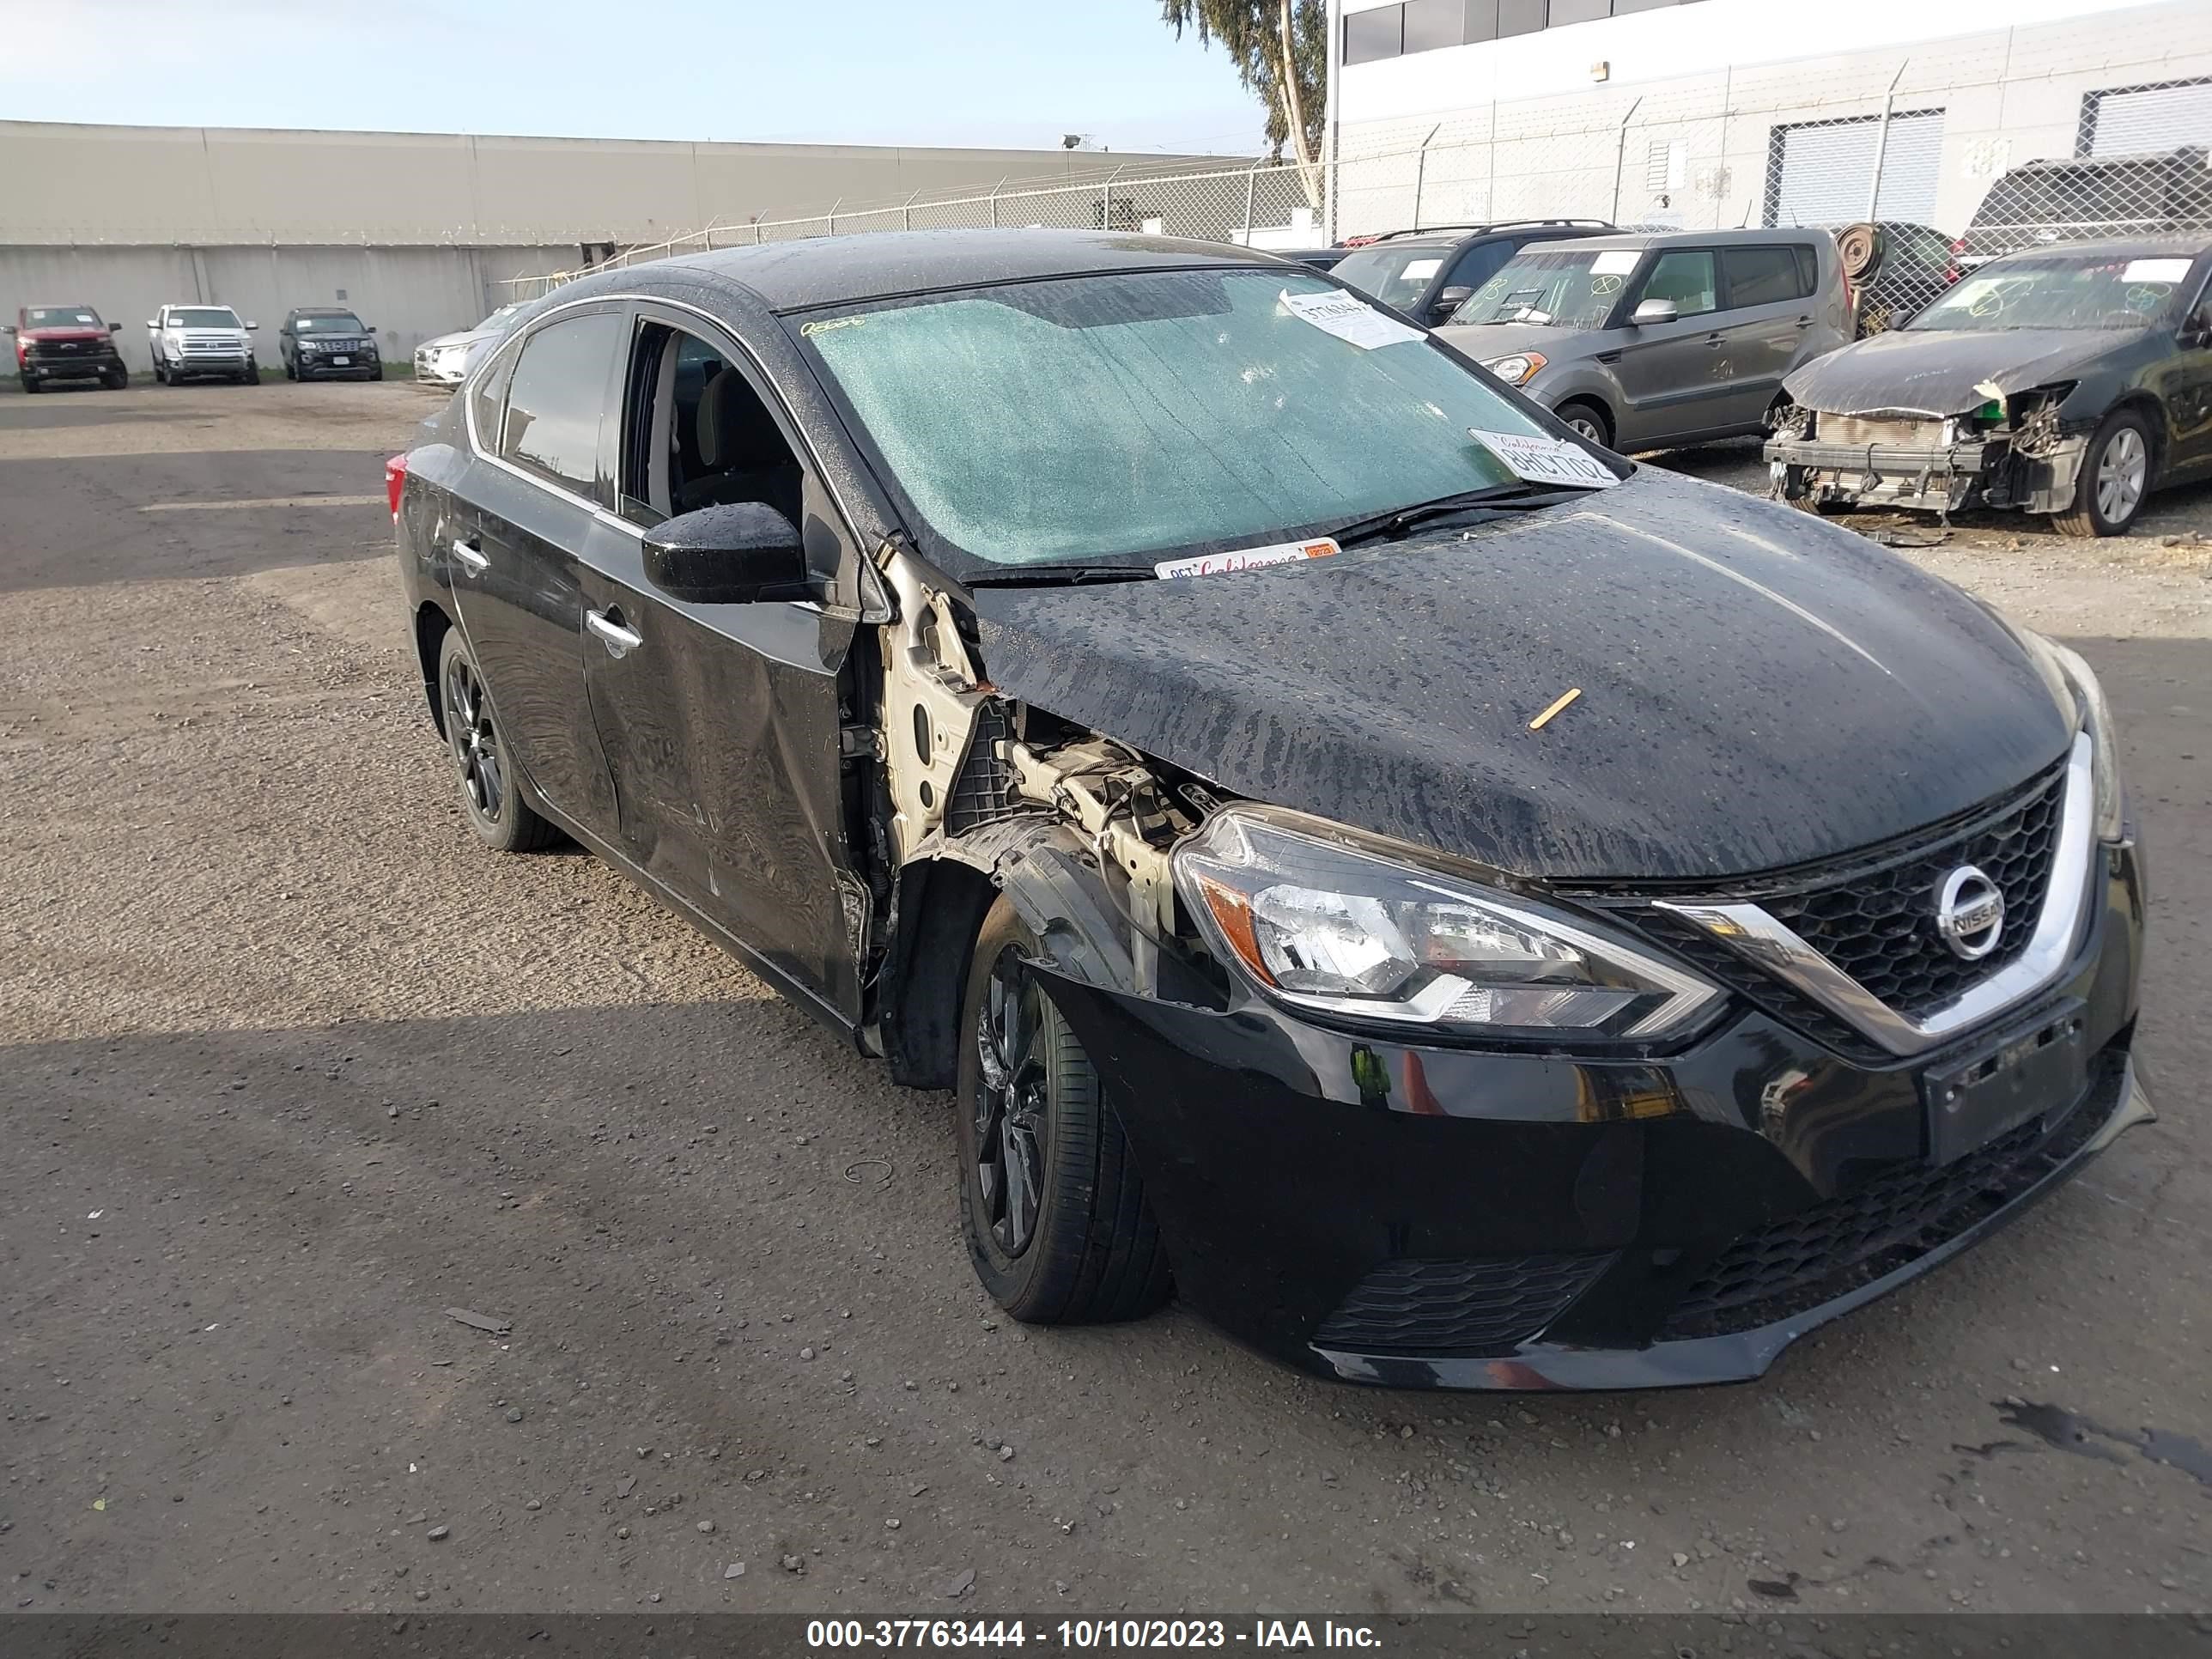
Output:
x,y
216,186
410,293
2007,95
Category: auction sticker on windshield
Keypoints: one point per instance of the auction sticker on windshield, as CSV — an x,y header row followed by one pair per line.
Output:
x,y
1349,318
1539,459
1248,558
2156,270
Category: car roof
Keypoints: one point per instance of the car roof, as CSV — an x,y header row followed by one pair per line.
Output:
x,y
318,311
2125,248
831,269
1641,239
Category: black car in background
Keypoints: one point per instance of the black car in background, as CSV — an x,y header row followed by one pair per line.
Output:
x,y
1464,910
2070,380
326,343
2081,198
1428,274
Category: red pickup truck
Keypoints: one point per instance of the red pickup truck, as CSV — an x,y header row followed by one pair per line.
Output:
x,y
66,343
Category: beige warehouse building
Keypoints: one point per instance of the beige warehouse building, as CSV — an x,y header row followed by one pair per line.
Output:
x,y
419,233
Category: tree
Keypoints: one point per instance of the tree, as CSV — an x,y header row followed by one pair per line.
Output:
x,y
1280,48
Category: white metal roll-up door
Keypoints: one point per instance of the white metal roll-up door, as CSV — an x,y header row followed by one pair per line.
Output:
x,y
2143,118
1822,170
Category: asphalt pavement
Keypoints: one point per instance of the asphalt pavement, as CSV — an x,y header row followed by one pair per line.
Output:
x,y
388,1226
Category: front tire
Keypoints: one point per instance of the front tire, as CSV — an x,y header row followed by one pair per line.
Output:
x,y
253,375
2115,479
490,801
1588,420
30,382
1050,1198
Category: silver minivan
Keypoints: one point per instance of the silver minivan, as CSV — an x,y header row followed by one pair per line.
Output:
x,y
1652,341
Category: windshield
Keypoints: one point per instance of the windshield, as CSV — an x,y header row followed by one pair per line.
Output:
x,y
2057,292
1567,287
1108,417
498,318
61,317
203,317
328,322
1396,276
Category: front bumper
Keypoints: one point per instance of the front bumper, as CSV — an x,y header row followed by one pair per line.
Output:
x,y
72,368
1940,478
1449,1217
365,364
448,374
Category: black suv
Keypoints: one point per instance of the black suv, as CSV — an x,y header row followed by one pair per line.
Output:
x,y
1430,274
2090,198
321,343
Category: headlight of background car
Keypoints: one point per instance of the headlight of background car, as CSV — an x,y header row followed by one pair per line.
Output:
x,y
2075,687
1518,369
1318,923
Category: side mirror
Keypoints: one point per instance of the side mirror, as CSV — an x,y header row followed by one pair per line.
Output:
x,y
150,323
115,328
732,553
250,327
7,328
1655,311
370,329
2196,333
1451,300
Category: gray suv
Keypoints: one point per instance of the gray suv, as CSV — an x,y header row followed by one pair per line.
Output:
x,y
1654,341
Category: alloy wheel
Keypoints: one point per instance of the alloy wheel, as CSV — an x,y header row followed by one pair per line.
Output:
x,y
474,741
2122,472
1009,1104
1586,427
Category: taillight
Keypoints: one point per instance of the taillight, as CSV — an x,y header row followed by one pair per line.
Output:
x,y
395,480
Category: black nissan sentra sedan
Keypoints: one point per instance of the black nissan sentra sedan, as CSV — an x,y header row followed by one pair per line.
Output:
x,y
1462,910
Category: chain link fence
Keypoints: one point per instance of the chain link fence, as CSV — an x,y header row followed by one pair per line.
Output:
x,y
1926,164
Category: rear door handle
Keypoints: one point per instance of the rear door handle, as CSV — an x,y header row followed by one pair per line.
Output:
x,y
473,559
608,626
1712,339
1804,322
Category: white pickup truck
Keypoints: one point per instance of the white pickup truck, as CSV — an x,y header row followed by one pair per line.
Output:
x,y
189,340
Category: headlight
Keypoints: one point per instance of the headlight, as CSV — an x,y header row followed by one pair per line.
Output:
x,y
2097,721
1319,923
1517,369
2074,688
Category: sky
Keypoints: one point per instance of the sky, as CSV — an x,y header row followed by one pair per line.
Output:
x,y
999,73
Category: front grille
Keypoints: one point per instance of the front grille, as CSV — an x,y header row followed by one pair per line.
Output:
x,y
1887,435
1827,1251
1881,928
1878,923
1481,1307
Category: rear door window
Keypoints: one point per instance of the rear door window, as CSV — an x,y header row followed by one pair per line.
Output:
x,y
557,397
1762,275
1686,276
1481,262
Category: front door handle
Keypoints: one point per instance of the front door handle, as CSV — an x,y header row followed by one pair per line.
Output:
x,y
1804,322
1712,339
473,559
608,626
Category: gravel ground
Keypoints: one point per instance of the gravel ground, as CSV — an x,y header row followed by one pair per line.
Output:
x,y
292,1069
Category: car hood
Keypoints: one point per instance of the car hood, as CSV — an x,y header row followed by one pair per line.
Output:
x,y
1943,371
1758,690
462,337
1488,342
74,331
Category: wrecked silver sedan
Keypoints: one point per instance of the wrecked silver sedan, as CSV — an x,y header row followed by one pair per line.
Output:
x,y
2072,381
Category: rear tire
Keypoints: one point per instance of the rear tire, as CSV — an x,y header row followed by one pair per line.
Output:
x,y
1587,419
2115,481
1050,1198
491,800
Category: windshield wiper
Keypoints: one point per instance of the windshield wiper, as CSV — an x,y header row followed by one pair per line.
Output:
x,y
1059,576
1396,525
